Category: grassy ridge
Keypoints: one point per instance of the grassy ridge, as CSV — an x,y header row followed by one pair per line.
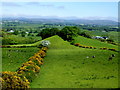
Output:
x,y
93,42
66,66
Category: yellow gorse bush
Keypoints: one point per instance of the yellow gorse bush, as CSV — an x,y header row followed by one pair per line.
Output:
x,y
44,49
41,53
90,47
12,80
104,48
33,65
29,66
77,44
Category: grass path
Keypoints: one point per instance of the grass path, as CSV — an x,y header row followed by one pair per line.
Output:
x,y
66,66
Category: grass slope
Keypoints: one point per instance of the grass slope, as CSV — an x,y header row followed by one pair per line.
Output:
x,y
12,58
92,42
66,66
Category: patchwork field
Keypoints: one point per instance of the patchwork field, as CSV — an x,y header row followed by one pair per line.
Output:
x,y
67,66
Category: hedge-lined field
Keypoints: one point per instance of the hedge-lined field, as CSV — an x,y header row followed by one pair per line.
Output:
x,y
91,47
25,73
93,43
67,66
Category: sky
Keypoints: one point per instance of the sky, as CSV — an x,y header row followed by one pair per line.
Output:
x,y
61,9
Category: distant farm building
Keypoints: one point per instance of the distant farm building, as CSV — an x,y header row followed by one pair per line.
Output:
x,y
99,37
11,31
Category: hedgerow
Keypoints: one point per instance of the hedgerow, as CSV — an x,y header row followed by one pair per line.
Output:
x,y
13,80
90,47
25,74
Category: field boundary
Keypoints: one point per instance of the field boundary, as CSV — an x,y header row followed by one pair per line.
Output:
x,y
91,47
25,74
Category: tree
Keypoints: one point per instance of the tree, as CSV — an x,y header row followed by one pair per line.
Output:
x,y
110,40
86,34
23,33
8,41
16,32
47,32
68,32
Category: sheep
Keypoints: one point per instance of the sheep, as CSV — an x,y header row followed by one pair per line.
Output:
x,y
113,55
87,56
110,58
93,56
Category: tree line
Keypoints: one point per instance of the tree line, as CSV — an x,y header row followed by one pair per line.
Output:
x,y
67,33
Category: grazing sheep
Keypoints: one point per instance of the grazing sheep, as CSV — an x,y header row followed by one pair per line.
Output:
x,y
110,58
87,56
113,55
93,56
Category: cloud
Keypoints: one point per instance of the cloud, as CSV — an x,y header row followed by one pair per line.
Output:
x,y
38,4
32,3
10,4
61,7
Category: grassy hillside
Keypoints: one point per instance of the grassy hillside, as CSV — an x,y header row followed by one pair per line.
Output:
x,y
93,42
67,66
114,35
12,58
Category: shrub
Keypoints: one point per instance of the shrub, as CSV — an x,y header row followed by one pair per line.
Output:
x,y
94,47
80,45
12,80
44,49
90,47
83,46
37,59
86,46
38,62
5,46
77,44
29,69
42,53
104,48
112,49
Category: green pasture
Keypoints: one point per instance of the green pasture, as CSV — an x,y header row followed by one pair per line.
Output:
x,y
67,66
93,42
20,40
12,58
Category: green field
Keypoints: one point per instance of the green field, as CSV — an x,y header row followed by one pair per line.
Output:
x,y
66,66
93,42
12,58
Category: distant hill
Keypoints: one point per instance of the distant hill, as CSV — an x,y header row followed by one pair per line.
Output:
x,y
56,20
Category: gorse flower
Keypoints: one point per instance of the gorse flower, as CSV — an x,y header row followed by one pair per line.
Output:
x,y
11,80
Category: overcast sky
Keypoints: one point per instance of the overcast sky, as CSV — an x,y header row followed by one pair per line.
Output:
x,y
61,9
